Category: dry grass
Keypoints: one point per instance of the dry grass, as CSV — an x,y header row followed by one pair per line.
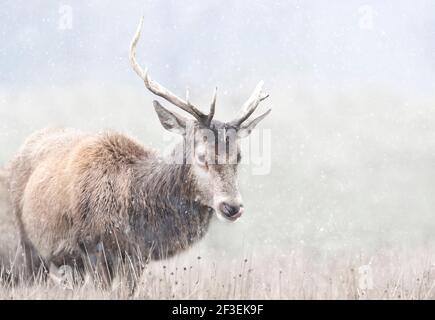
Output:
x,y
299,275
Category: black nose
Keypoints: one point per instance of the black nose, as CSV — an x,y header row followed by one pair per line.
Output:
x,y
230,210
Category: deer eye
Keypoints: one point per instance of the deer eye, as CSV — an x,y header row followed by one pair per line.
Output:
x,y
202,161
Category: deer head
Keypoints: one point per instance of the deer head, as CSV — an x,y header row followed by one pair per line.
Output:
x,y
215,152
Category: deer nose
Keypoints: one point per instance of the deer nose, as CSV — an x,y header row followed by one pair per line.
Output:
x,y
231,211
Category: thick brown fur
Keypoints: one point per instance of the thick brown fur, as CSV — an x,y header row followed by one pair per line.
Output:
x,y
77,194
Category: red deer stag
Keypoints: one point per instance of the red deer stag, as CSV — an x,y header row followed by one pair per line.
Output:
x,y
78,194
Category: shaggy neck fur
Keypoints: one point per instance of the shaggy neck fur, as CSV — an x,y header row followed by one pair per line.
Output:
x,y
165,211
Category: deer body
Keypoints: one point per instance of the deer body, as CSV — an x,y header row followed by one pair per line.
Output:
x,y
73,191
76,194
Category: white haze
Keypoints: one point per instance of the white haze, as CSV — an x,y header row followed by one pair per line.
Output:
x,y
353,118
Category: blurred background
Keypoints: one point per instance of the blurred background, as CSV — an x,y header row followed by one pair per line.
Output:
x,y
351,85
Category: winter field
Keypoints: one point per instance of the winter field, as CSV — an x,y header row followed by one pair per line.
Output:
x,y
339,195
346,211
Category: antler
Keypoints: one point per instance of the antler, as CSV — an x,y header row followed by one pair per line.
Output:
x,y
250,105
212,107
161,91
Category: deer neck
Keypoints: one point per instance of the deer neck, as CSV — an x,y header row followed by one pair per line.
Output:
x,y
166,212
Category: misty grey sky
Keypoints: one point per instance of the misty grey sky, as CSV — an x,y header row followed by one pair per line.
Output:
x,y
351,86
203,43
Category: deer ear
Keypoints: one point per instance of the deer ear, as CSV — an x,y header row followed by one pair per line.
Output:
x,y
170,120
246,129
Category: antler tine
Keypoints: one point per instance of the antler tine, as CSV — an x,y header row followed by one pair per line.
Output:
x,y
132,54
158,89
187,95
251,104
212,107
